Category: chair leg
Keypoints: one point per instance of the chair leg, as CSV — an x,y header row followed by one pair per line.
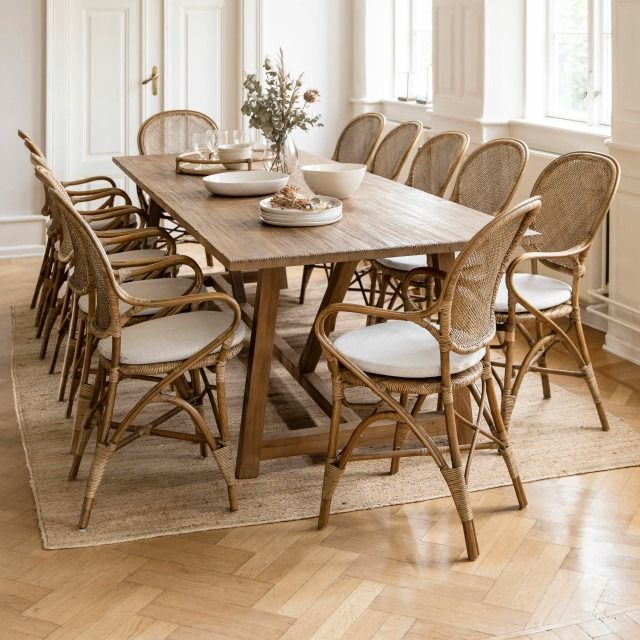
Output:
x,y
103,453
589,374
306,275
44,270
63,327
72,340
500,432
332,473
224,455
400,436
542,362
82,342
454,477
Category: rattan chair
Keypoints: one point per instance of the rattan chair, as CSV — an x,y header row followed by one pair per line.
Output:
x,y
355,144
149,269
425,352
104,184
201,339
172,132
576,191
125,244
359,138
486,182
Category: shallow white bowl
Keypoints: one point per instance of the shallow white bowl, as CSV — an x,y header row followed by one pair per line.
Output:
x,y
336,179
234,152
245,183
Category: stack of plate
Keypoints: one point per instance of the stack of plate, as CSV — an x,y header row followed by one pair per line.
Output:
x,y
301,218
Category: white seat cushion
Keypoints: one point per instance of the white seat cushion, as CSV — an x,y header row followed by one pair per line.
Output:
x,y
400,349
172,338
541,291
152,289
136,254
404,263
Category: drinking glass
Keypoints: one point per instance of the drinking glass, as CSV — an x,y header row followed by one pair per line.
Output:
x,y
213,137
200,143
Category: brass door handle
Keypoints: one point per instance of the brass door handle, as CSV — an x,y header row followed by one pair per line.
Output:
x,y
153,79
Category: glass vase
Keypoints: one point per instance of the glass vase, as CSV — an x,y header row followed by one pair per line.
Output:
x,y
285,156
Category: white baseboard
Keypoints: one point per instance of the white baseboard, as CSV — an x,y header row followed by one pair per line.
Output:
x,y
21,235
21,251
593,321
622,348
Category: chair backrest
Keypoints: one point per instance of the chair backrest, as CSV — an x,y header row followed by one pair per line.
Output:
x,y
436,161
30,144
576,191
71,247
489,176
466,309
172,131
106,321
359,138
394,149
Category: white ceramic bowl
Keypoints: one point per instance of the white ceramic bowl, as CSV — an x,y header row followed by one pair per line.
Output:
x,y
232,152
336,179
245,184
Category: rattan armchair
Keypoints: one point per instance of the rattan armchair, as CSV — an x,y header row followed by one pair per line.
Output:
x,y
359,138
486,182
47,265
202,339
576,191
355,144
171,132
425,352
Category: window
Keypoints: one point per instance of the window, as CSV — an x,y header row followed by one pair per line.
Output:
x,y
413,44
579,60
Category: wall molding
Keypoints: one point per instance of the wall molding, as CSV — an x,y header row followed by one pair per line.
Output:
x,y
21,235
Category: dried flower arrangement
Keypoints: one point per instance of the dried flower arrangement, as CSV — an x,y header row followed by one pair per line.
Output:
x,y
275,108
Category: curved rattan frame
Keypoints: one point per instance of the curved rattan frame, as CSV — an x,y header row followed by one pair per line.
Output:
x,y
496,242
105,322
568,259
487,148
404,152
354,123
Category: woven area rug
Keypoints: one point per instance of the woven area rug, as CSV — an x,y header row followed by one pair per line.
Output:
x,y
158,487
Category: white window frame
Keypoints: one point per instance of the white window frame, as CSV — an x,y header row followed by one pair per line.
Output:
x,y
598,92
406,93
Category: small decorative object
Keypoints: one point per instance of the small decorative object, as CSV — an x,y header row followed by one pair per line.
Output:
x,y
276,110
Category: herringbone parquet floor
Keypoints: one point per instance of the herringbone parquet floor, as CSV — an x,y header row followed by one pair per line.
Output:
x,y
567,567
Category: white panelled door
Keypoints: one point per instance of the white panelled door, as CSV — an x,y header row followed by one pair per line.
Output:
x,y
100,52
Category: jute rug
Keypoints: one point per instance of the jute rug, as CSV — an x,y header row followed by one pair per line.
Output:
x,y
158,487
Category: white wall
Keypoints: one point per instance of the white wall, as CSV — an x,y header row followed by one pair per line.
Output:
x,y
22,105
316,37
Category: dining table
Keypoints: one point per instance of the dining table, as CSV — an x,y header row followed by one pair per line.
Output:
x,y
382,219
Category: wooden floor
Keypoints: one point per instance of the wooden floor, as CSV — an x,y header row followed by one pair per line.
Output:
x,y
567,567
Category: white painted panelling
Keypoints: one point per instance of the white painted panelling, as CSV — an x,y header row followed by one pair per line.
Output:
x,y
202,56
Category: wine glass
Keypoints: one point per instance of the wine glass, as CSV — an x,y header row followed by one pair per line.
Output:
x,y
213,137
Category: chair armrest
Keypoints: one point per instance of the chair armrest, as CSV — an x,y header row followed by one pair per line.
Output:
x,y
160,265
120,236
106,213
73,183
98,194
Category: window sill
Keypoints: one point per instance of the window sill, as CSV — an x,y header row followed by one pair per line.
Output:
x,y
555,135
399,111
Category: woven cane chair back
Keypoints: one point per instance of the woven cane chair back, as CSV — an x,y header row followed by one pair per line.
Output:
x,y
106,319
172,131
436,161
394,149
466,309
44,175
359,138
576,190
79,279
489,176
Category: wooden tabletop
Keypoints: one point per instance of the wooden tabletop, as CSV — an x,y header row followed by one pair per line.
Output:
x,y
382,219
